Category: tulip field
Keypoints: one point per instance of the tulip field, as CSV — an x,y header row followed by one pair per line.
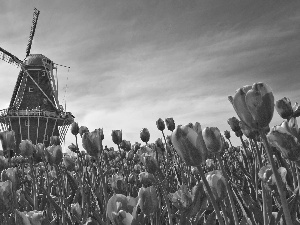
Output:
x,y
192,176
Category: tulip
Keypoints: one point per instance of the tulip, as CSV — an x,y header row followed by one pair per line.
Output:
x,y
182,198
38,153
189,144
216,182
91,221
69,163
54,154
54,140
170,124
21,218
35,217
116,136
148,200
160,124
212,139
3,163
120,202
254,105
8,141
284,108
118,183
227,134
74,128
125,145
145,135
83,130
6,196
12,175
286,138
150,163
92,142
26,148
122,218
210,164
267,176
146,179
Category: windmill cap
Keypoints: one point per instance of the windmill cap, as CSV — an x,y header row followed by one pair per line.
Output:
x,y
37,60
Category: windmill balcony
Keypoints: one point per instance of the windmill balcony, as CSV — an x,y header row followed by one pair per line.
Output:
x,y
4,113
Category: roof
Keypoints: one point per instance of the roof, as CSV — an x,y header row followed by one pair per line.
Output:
x,y
36,60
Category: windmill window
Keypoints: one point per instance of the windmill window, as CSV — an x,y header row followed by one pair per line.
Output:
x,y
46,138
30,89
26,122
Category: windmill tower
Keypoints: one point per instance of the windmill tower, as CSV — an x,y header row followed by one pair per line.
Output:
x,y
34,112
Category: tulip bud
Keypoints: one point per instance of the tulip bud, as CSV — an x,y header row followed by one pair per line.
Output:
x,y
130,155
247,131
54,140
234,124
160,124
116,136
74,128
254,105
296,110
151,164
189,144
148,200
145,135
284,108
170,124
73,148
26,147
92,142
216,182
8,142
132,178
212,139
227,134
82,130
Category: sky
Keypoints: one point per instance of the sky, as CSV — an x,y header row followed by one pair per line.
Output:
x,y
134,61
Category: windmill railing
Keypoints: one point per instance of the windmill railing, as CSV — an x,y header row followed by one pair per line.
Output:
x,y
33,113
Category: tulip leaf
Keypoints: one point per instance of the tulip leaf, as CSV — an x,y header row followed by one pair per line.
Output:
x,y
53,203
72,182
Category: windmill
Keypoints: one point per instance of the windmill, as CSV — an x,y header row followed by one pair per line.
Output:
x,y
34,112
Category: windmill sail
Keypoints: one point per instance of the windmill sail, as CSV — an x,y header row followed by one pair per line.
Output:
x,y
36,14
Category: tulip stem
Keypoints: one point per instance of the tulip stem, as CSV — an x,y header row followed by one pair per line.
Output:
x,y
236,220
161,183
281,191
211,196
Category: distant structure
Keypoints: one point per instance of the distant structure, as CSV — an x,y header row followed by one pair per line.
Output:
x,y
34,112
